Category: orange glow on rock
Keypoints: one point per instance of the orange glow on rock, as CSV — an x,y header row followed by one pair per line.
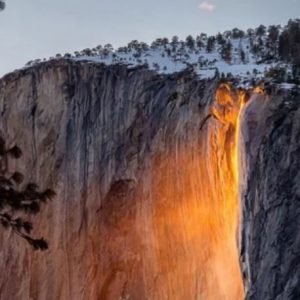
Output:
x,y
176,236
227,107
190,245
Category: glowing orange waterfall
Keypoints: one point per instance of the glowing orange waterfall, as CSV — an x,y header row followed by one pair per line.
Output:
x,y
225,136
193,251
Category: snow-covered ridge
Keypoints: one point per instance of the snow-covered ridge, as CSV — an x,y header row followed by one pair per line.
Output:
x,y
165,59
245,56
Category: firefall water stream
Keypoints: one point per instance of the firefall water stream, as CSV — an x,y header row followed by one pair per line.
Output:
x,y
196,212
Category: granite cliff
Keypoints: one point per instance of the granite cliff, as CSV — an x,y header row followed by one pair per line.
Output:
x,y
147,171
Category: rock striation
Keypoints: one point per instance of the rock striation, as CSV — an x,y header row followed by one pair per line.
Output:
x,y
270,235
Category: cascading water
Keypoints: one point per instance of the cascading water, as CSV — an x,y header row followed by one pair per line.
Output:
x,y
196,209
224,139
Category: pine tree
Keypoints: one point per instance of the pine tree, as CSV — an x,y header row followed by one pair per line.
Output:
x,y
289,43
174,41
226,51
243,56
294,39
284,46
220,39
210,44
199,42
261,30
256,50
250,32
237,33
190,42
18,201
217,73
273,34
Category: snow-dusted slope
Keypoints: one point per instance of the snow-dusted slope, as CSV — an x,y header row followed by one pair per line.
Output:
x,y
242,56
166,59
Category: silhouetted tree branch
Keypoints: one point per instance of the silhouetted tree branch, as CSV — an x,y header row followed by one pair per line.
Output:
x,y
14,199
2,5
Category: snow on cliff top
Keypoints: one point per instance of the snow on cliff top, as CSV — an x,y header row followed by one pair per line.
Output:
x,y
166,60
245,57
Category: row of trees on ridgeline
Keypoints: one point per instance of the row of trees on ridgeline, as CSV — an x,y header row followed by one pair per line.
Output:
x,y
276,42
267,43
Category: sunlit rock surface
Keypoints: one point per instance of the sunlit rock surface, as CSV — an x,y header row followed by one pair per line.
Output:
x,y
145,167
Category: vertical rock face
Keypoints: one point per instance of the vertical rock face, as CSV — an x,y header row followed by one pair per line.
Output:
x,y
145,174
270,235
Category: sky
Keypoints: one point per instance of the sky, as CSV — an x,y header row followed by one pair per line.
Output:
x,y
32,29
